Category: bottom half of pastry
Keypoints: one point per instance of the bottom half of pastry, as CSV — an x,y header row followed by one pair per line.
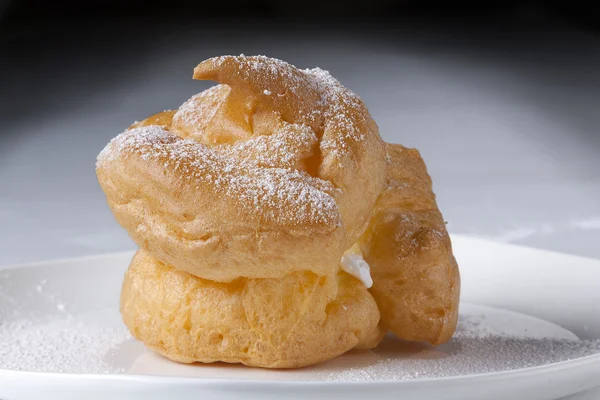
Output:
x,y
299,320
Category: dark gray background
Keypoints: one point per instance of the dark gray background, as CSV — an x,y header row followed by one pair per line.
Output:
x,y
502,102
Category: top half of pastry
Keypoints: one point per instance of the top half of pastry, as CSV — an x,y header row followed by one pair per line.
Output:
x,y
276,169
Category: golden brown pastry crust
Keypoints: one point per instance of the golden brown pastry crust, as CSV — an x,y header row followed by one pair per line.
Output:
x,y
193,208
416,279
292,322
243,201
264,185
350,151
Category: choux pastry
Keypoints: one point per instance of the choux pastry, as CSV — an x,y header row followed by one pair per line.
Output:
x,y
219,215
299,320
276,229
416,279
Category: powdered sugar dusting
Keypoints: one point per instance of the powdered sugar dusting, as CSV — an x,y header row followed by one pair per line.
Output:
x,y
195,114
288,197
341,105
264,173
63,344
337,109
486,340
286,148
344,115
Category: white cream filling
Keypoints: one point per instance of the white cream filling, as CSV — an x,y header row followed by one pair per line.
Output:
x,y
354,264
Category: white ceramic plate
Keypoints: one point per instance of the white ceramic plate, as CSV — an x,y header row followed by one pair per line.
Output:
x,y
74,308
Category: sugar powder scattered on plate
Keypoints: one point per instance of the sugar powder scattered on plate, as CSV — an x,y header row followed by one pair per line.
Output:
x,y
61,343
487,340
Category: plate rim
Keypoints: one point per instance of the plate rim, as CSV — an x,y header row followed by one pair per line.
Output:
x,y
180,380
